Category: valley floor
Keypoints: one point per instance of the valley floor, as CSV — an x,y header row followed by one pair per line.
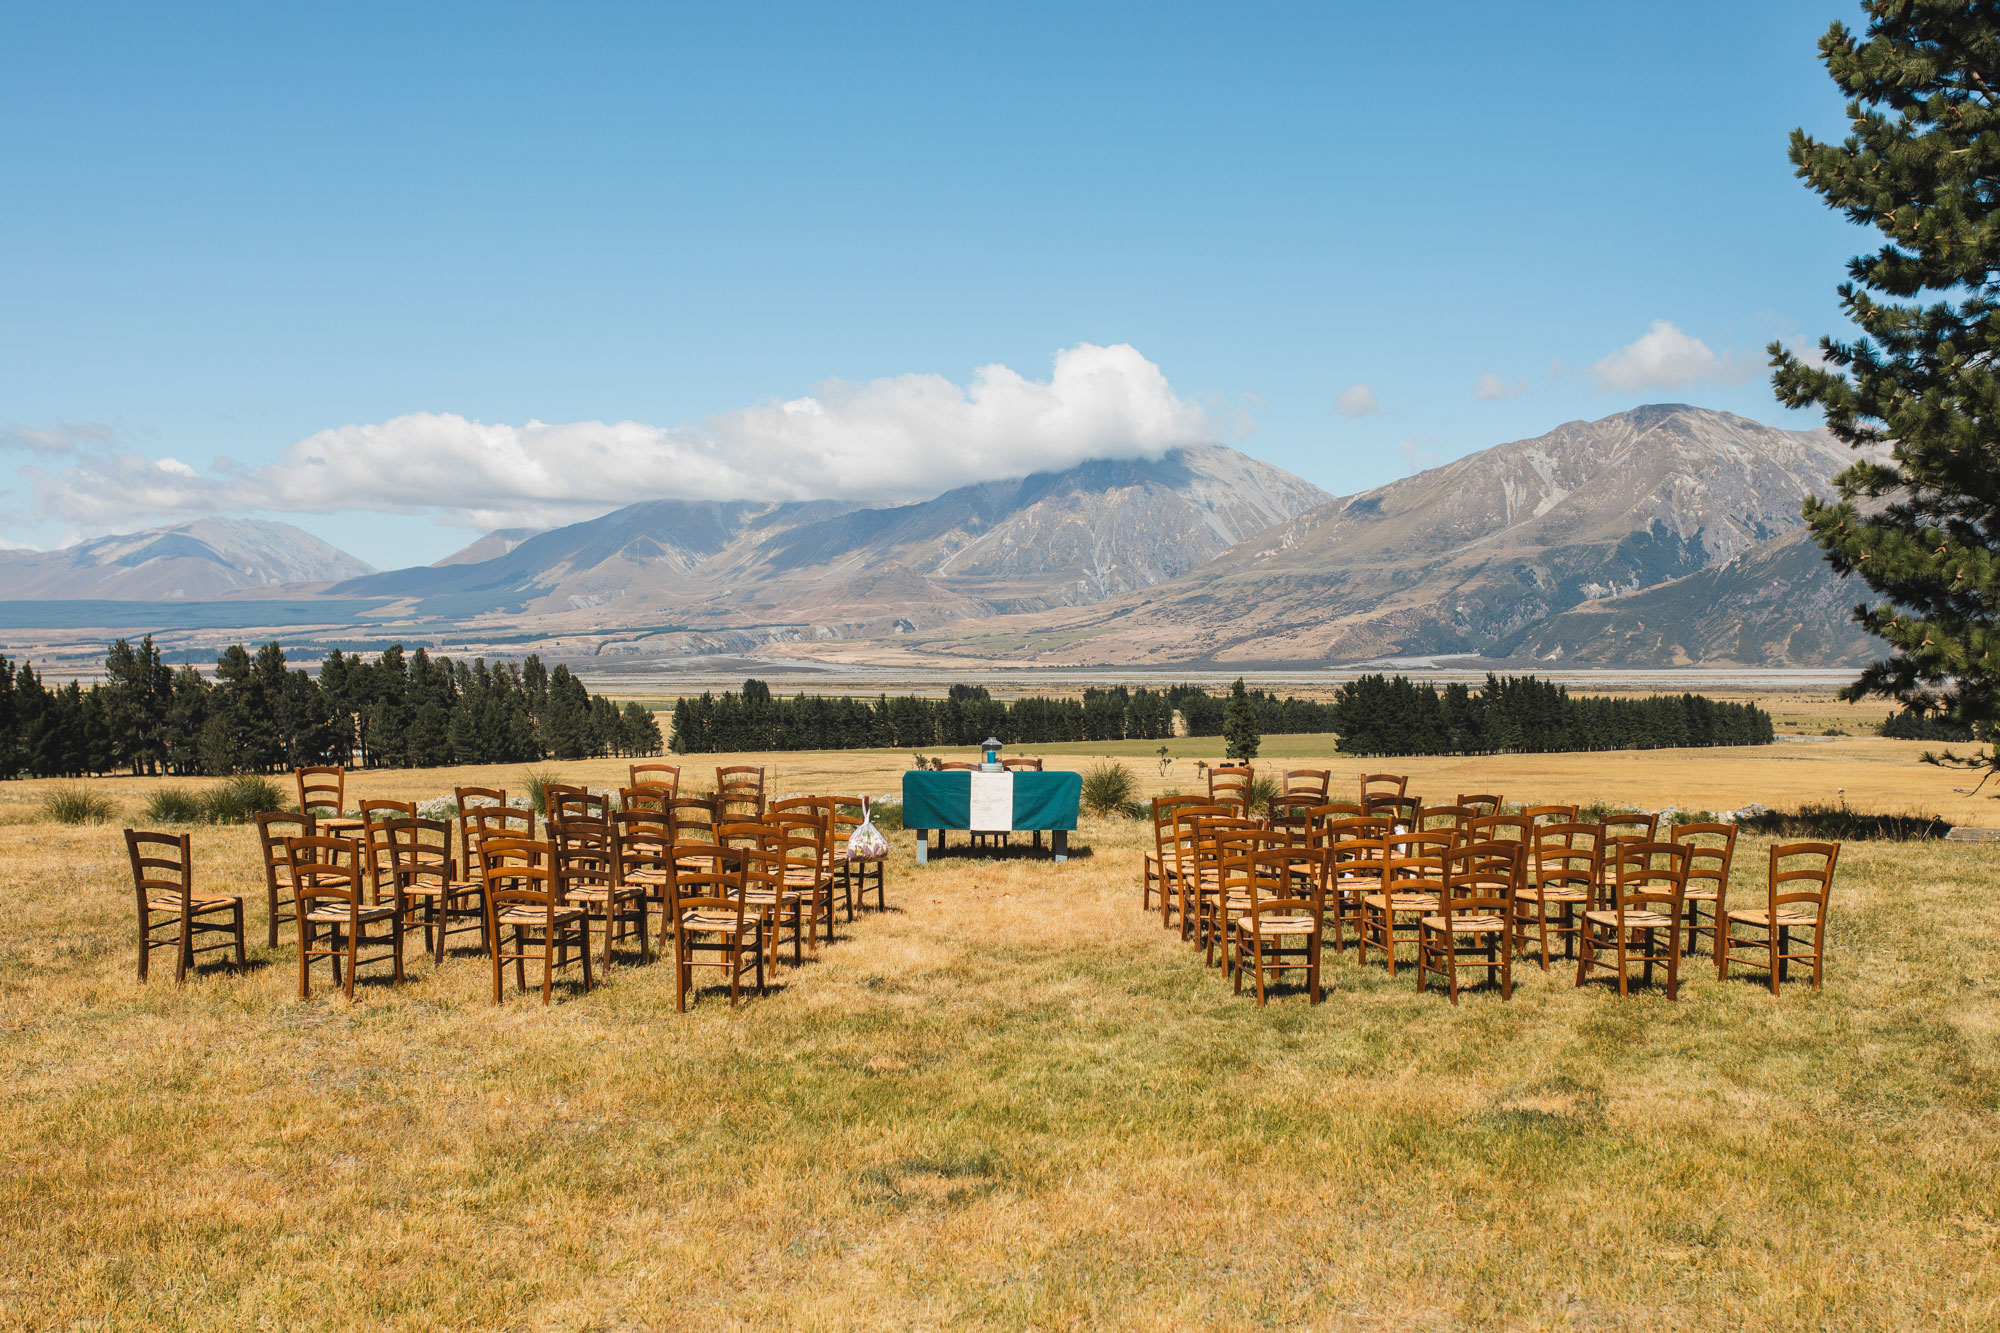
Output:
x,y
1014,1101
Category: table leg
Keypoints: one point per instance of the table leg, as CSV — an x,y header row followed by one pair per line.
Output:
x,y
923,846
1059,841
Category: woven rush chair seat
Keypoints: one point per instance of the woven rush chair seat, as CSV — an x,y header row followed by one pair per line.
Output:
x,y
1279,925
1403,902
1467,925
534,916
1554,895
339,826
1633,920
702,919
340,915
198,902
1700,895
1761,916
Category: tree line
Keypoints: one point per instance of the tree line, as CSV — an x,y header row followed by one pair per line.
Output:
x,y
754,719
1523,714
260,715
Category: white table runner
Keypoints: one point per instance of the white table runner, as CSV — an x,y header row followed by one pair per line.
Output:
x,y
992,802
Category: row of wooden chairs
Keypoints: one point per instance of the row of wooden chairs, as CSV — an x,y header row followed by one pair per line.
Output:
x,y
393,869
1606,890
322,790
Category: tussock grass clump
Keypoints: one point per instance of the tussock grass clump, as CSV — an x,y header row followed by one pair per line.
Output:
x,y
175,805
78,805
1109,789
1264,789
538,781
236,800
1837,823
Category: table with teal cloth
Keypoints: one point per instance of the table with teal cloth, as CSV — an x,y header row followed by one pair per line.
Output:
x,y
1020,802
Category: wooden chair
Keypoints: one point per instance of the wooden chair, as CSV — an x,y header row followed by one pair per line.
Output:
x,y
1156,875
171,914
712,918
1383,784
1412,879
815,814
478,823
374,866
1354,863
1400,810
1230,784
1711,853
422,873
1484,805
586,866
1293,816
1625,827
328,885
1308,782
1444,816
1800,887
1474,924
805,848
1278,911
657,775
1648,879
859,872
1550,814
1563,871
273,827
1187,868
323,795
758,849
467,800
645,798
562,800
739,792
1488,828
643,842
693,818
521,892
1210,898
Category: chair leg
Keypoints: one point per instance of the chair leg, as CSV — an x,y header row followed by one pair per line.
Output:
x,y
1772,936
1674,960
585,951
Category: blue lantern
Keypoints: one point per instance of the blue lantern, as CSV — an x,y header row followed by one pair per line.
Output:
x,y
992,764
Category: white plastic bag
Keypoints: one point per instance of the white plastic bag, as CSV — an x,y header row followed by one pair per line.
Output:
x,y
866,843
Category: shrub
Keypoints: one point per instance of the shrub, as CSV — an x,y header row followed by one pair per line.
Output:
x,y
539,780
1837,823
888,815
1109,788
236,800
77,805
174,805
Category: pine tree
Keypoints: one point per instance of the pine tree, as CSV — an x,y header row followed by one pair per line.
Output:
x,y
1239,725
1922,167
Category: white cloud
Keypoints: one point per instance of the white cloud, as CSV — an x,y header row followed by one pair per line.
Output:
x,y
53,440
889,439
1665,358
1494,389
1358,401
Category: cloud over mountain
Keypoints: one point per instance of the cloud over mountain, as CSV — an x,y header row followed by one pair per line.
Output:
x,y
891,439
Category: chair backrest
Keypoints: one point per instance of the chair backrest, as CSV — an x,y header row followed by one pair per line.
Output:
x,y
1481,878
1024,764
657,775
1711,853
1398,809
1355,864
1308,782
1184,830
375,810
694,816
1486,828
1229,784
1632,824
1294,814
1802,872
1484,803
644,798
1338,810
374,814
492,821
585,854
1550,814
955,766
1445,816
561,800
811,807
162,865
1275,886
1416,859
322,789
1648,876
519,872
1355,826
1567,856
328,868
642,841
739,790
1383,784
469,799
419,849
273,828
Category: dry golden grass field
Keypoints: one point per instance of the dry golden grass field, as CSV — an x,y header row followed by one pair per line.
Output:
x,y
1014,1101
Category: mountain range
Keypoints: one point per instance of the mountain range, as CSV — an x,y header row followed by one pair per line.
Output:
x,y
1666,535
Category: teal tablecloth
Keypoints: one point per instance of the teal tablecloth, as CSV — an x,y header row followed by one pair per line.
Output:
x,y
944,800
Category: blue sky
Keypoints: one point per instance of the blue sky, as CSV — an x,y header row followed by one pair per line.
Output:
x,y
403,234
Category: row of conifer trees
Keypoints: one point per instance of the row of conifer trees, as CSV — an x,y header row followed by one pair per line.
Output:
x,y
1522,714
259,714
